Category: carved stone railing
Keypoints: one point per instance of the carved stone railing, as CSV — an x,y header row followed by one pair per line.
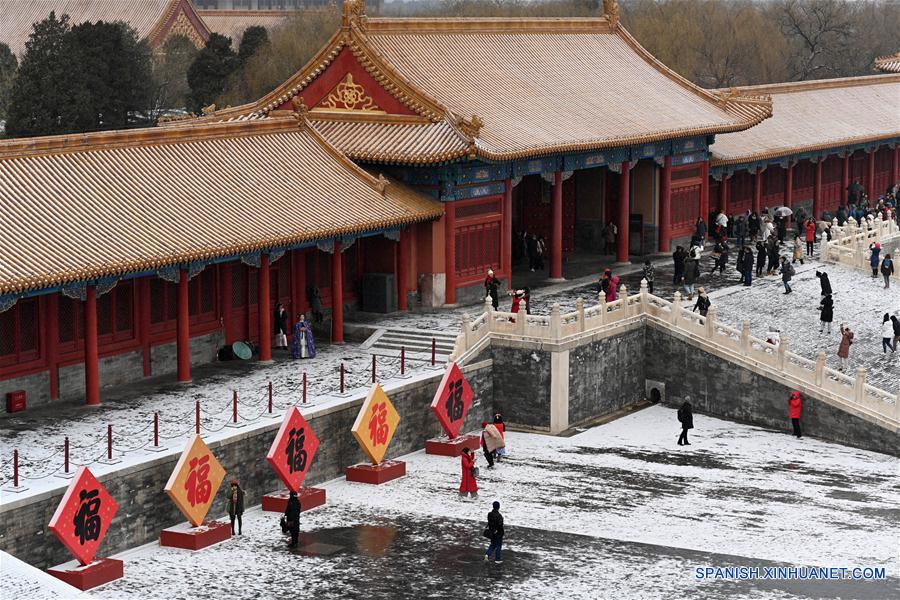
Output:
x,y
849,243
734,345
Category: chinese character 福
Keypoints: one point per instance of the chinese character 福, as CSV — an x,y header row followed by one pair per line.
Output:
x,y
454,404
378,428
198,485
87,521
296,453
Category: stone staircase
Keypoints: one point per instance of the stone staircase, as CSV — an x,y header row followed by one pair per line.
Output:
x,y
389,341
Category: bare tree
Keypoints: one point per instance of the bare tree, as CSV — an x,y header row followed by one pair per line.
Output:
x,y
819,34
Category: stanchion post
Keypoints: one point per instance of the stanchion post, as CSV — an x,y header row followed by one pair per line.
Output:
x,y
234,406
156,430
342,378
373,369
304,387
109,442
270,397
403,360
433,351
197,417
15,468
66,455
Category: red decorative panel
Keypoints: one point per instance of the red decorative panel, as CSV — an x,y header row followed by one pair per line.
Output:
x,y
317,92
83,516
19,332
685,207
740,197
452,400
293,449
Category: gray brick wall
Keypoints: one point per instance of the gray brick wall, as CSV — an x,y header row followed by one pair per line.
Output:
x,y
522,385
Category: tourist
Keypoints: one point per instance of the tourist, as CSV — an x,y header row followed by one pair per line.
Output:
x,y
236,505
686,418
810,236
501,427
703,302
526,299
292,518
611,287
678,258
772,252
748,267
887,334
767,230
700,230
760,258
787,271
720,256
518,297
798,251
795,409
826,313
494,532
844,347
740,230
854,192
541,250
648,274
281,326
531,250
691,272
490,441
468,485
491,289
896,323
612,230
315,303
781,228
824,283
887,269
874,257
753,226
303,345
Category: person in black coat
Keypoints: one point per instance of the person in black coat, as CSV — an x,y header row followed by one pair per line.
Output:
x,y
686,418
236,506
281,326
491,289
292,518
760,258
748,267
824,283
495,532
826,313
678,257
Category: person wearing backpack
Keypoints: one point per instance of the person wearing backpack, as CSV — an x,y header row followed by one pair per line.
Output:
x,y
787,271
887,269
686,418
494,532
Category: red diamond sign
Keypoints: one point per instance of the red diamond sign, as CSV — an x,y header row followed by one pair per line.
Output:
x,y
83,516
293,450
452,400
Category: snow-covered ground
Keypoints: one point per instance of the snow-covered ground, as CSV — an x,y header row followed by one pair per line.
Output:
x,y
21,581
616,511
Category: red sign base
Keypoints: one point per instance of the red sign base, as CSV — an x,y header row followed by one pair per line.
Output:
x,y
309,497
452,446
376,474
194,538
85,577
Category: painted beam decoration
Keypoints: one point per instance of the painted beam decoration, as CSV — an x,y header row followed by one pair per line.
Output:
x,y
452,400
83,516
375,424
195,481
293,449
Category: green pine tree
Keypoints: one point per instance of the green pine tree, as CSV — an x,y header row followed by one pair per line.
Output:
x,y
253,38
8,65
208,74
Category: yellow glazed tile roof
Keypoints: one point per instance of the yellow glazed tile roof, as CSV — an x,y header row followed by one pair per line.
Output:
x,y
514,88
815,115
88,206
145,16
888,64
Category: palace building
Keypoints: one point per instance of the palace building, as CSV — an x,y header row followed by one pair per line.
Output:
x,y
406,152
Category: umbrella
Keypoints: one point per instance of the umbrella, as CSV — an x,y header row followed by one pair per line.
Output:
x,y
783,211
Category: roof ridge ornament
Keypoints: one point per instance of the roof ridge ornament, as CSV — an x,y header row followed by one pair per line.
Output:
x,y
472,127
611,10
381,184
301,111
726,96
354,11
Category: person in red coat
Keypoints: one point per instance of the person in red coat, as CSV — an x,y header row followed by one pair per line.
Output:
x,y
810,236
795,409
468,484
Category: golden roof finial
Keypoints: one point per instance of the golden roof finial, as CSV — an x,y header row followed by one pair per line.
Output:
x,y
381,184
354,10
301,111
611,10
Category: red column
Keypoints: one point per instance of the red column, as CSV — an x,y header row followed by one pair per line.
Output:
x,y
757,191
506,267
402,269
895,165
265,309
870,184
789,185
337,295
91,355
624,207
556,228
665,206
845,178
723,194
817,190
450,252
51,342
183,336
704,193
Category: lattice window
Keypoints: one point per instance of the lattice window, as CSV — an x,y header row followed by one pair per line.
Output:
x,y
832,169
773,181
253,286
477,248
19,332
685,205
8,332
124,306
105,313
208,290
157,300
238,289
284,277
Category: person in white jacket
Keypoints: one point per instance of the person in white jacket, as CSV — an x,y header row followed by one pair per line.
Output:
x,y
887,334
